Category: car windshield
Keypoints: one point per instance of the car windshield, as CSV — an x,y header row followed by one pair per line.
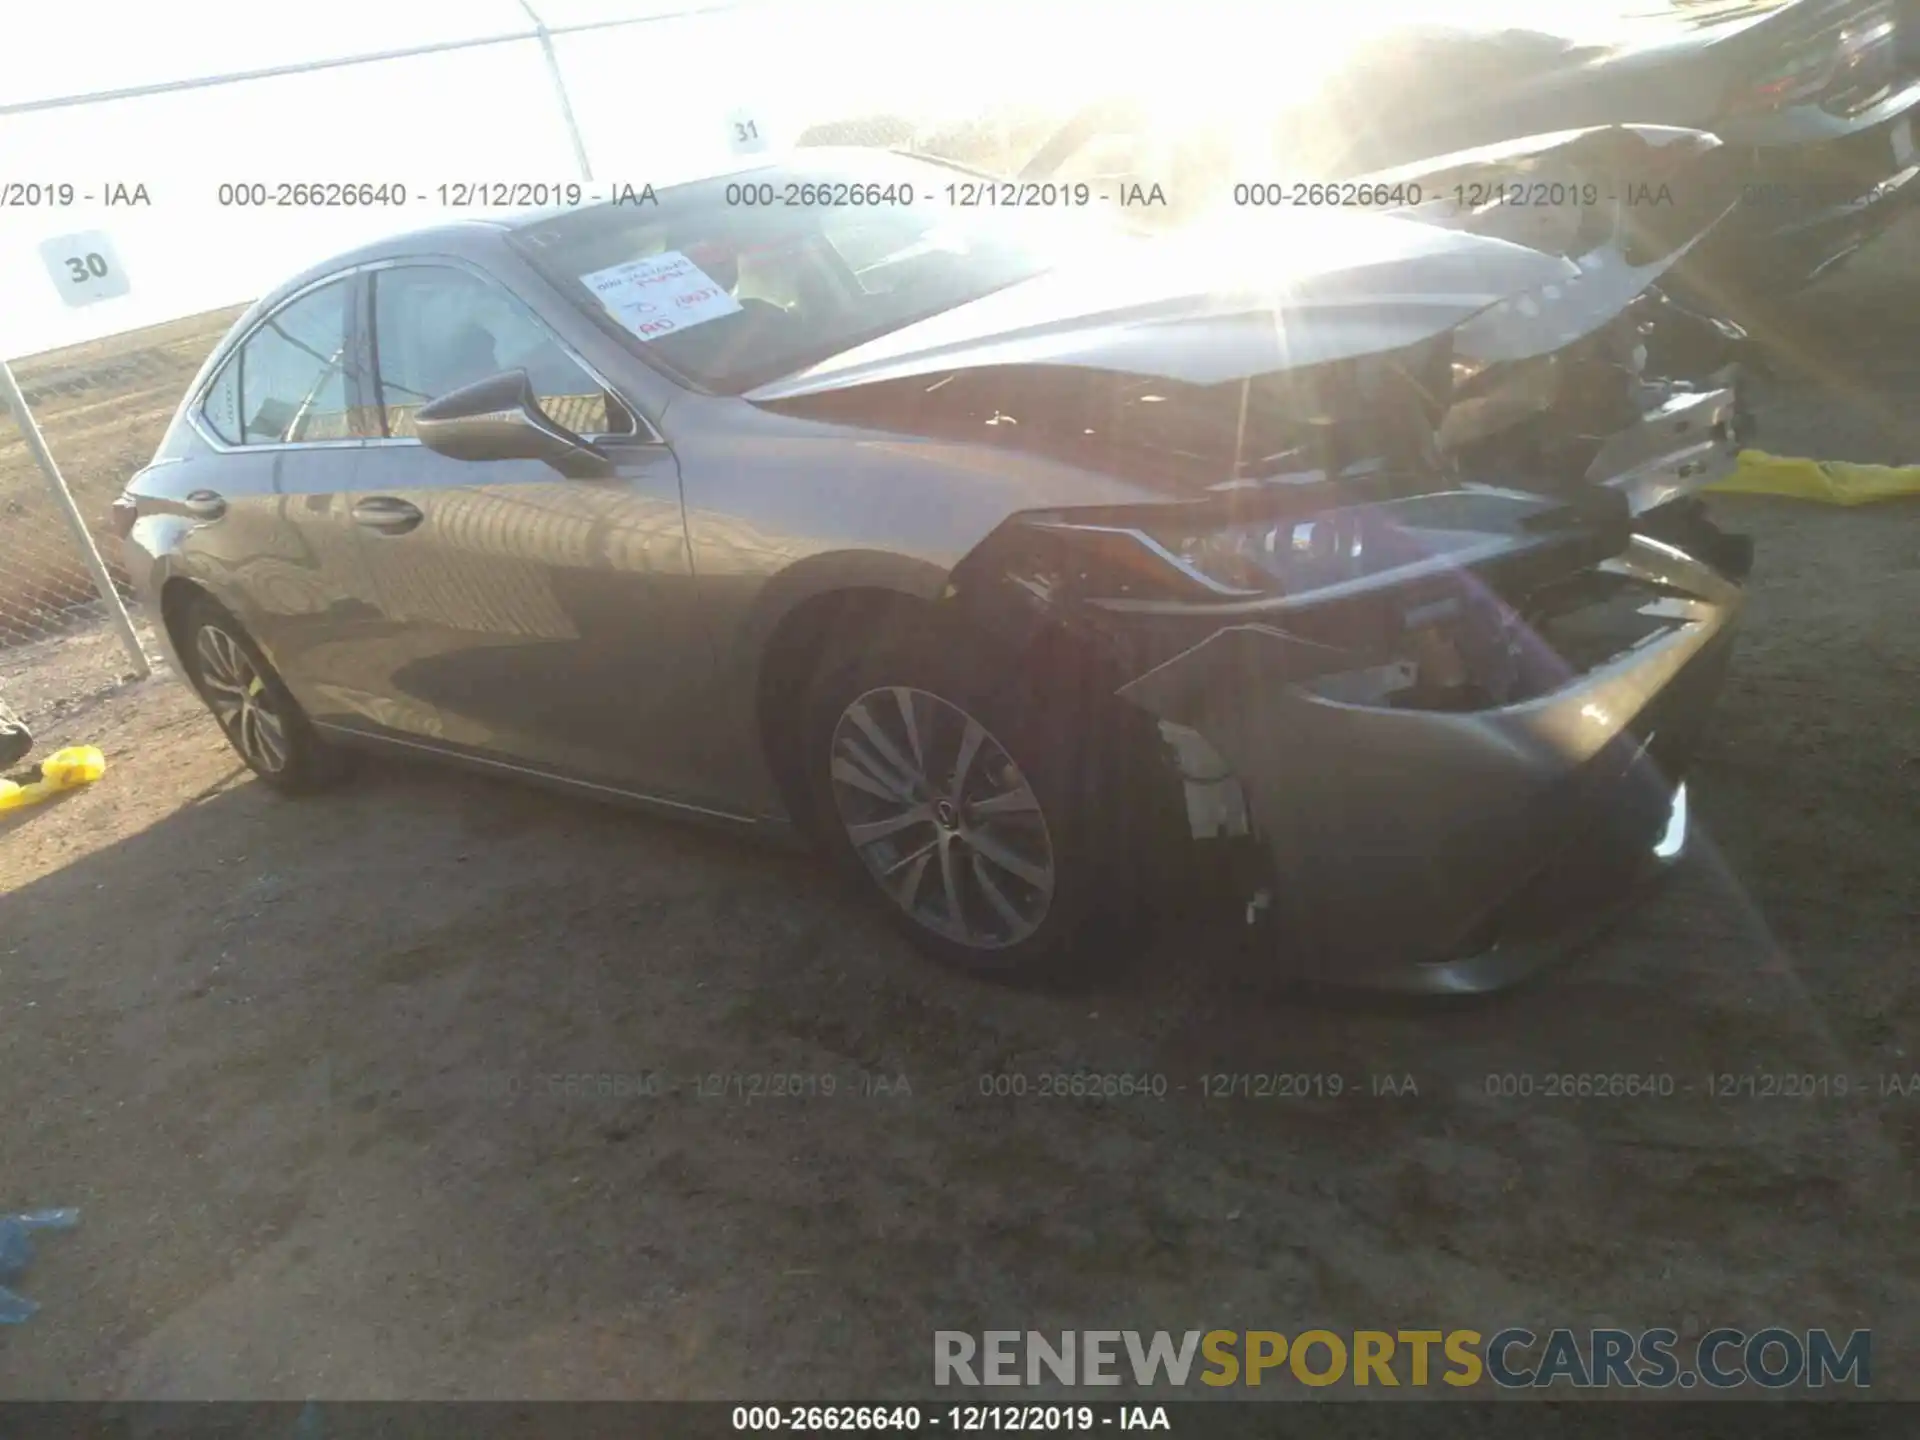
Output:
x,y
737,280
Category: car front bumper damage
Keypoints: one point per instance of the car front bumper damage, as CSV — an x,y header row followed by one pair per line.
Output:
x,y
1446,852
1683,442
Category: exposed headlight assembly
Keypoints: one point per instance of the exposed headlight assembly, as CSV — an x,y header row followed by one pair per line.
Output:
x,y
1195,555
1407,598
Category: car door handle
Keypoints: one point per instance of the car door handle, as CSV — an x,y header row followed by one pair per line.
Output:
x,y
386,514
204,504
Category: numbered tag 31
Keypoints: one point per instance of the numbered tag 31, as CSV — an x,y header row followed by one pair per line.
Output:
x,y
747,132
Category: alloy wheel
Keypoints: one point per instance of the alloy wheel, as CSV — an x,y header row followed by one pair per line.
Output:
x,y
238,696
942,817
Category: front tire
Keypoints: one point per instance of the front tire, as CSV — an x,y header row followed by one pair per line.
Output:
x,y
258,715
983,819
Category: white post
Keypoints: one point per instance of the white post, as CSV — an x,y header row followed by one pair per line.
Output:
x,y
554,73
37,447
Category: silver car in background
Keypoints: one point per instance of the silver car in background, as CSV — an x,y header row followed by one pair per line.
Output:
x,y
1015,560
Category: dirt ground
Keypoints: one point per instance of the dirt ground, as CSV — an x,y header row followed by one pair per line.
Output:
x,y
294,1061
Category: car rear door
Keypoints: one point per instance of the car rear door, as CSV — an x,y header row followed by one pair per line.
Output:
x,y
526,617
286,424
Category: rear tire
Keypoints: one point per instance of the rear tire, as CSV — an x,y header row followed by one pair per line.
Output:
x,y
988,820
260,718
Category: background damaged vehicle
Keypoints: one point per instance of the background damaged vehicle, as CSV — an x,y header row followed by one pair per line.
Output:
x,y
1818,102
1011,558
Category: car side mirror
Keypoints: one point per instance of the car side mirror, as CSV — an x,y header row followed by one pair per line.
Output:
x,y
499,418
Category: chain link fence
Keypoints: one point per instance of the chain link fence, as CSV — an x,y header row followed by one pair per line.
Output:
x,y
101,408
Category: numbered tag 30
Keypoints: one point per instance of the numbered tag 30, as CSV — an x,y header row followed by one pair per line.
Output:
x,y
84,267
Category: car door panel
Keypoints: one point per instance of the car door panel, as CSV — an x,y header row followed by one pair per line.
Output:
x,y
283,560
526,616
271,538
537,618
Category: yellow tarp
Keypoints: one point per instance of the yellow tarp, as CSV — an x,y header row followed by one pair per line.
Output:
x,y
1833,482
62,770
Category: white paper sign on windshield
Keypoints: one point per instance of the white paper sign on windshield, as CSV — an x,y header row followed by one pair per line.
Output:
x,y
660,295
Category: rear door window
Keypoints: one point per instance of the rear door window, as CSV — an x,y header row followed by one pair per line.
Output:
x,y
294,380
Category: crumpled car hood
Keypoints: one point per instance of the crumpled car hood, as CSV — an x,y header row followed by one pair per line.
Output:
x,y
1207,309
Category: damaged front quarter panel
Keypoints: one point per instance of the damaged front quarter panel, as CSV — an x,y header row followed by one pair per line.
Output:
x,y
1406,843
1406,754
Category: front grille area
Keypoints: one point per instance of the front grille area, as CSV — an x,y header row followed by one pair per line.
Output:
x,y
1592,618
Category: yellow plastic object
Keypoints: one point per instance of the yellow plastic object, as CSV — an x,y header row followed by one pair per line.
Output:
x,y
1832,482
62,770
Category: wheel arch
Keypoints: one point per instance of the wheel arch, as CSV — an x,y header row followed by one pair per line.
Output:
x,y
801,639
178,595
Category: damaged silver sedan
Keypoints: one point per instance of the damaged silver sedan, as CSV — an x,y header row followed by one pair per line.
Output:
x,y
1020,563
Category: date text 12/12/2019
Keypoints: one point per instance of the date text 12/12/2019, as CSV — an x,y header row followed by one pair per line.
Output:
x,y
957,1419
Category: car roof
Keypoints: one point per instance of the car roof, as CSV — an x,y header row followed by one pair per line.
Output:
x,y
481,235
468,239
673,177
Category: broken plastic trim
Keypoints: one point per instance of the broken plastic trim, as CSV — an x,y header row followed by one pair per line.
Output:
x,y
1216,802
